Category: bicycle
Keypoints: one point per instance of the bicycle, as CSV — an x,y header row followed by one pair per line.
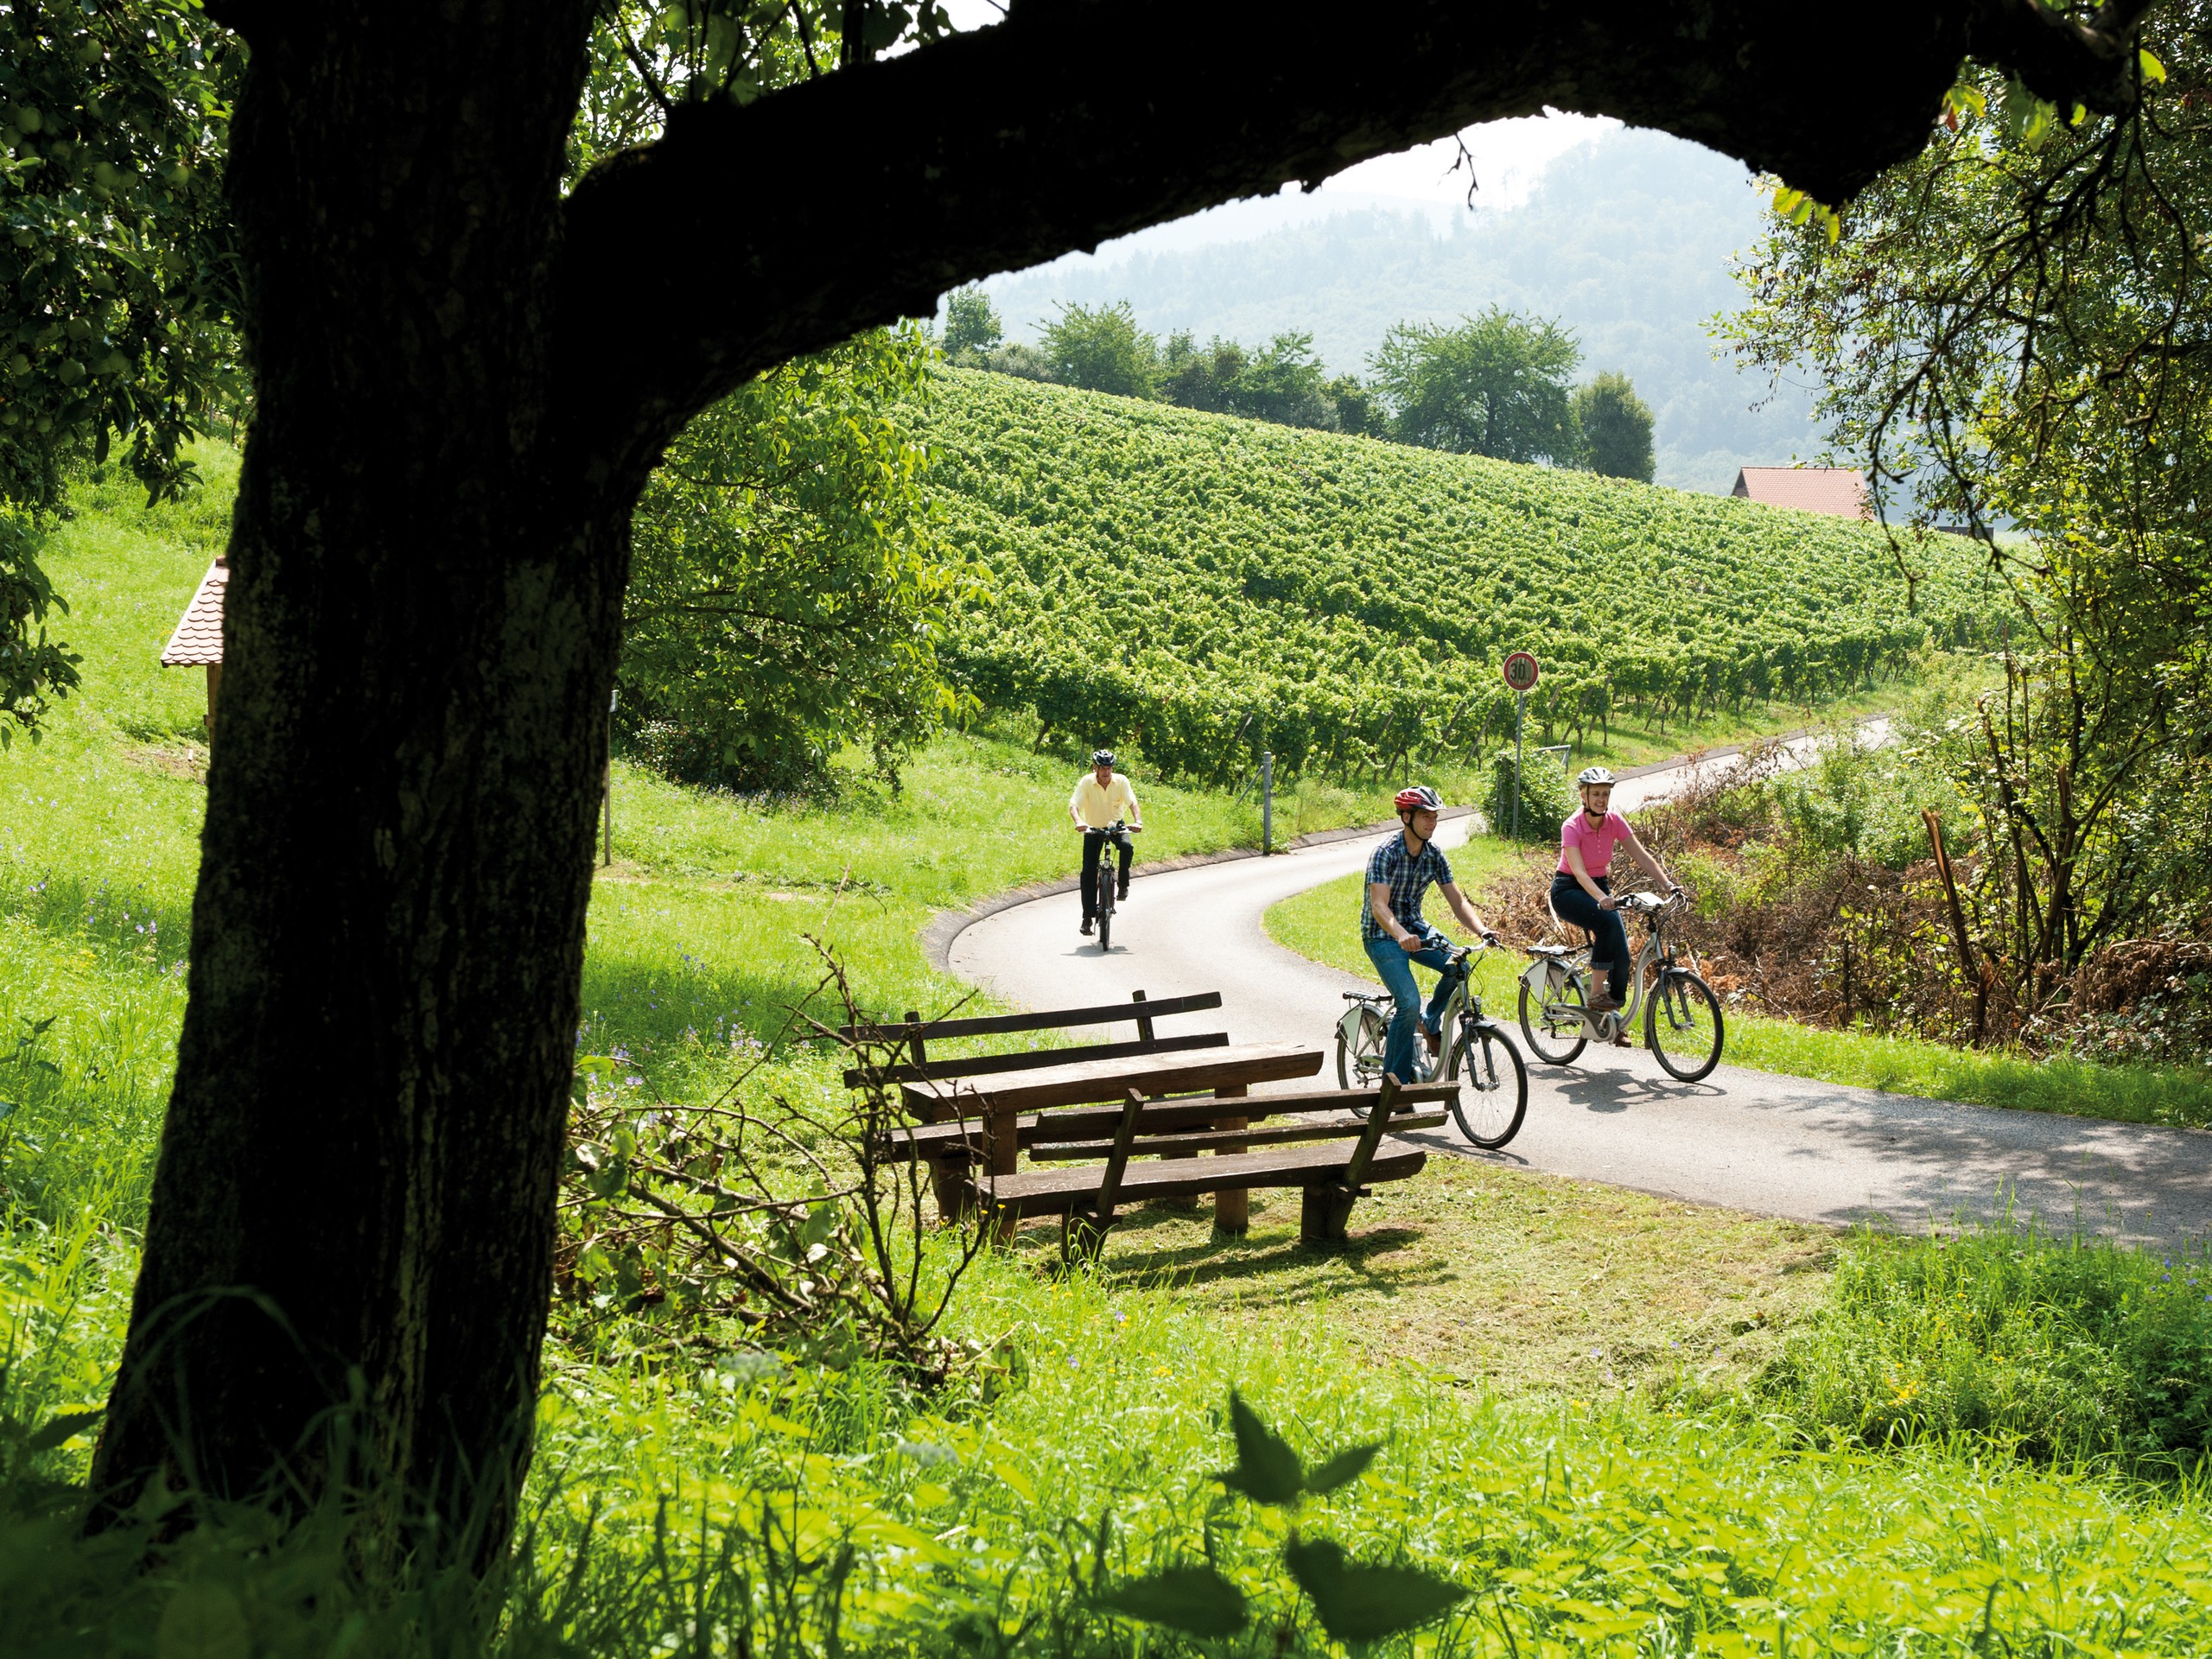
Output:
x,y
1117,834
1475,1052
1683,1024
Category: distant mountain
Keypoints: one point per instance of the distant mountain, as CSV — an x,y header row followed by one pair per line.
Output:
x,y
1627,240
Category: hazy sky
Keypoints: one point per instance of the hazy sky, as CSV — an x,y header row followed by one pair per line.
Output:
x,y
1509,156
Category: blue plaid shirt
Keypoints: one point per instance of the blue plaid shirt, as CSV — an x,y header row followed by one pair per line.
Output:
x,y
1409,878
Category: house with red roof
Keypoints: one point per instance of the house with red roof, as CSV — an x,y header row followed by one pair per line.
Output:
x,y
1840,492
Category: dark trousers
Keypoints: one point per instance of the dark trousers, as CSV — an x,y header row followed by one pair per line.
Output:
x,y
1093,840
1609,952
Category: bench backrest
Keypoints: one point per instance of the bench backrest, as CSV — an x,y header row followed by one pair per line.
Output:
x,y
914,1035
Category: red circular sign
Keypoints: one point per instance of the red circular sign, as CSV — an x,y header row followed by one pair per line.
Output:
x,y
1521,672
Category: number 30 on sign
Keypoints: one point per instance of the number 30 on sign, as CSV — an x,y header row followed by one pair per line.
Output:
x,y
1521,672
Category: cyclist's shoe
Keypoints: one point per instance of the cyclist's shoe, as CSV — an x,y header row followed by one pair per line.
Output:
x,y
1434,1039
1121,892
1602,1002
1086,924
1620,1039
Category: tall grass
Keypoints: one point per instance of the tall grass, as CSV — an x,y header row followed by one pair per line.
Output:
x,y
2073,1351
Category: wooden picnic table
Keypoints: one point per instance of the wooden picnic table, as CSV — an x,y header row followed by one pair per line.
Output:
x,y
1226,1070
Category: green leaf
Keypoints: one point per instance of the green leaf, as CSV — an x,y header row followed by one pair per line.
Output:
x,y
1194,1599
1343,1469
61,1429
1357,1603
2152,69
1266,1470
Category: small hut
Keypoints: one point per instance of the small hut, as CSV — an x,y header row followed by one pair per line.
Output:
x,y
198,641
1839,492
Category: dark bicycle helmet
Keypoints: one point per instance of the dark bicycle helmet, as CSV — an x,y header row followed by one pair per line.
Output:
x,y
1102,757
1420,798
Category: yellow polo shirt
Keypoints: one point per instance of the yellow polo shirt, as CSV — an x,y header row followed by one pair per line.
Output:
x,y
1100,807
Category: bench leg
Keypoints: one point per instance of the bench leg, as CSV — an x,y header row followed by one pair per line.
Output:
x,y
1002,1153
1325,1213
1082,1236
949,1180
1232,1206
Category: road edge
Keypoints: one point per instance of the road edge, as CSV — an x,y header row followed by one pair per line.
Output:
x,y
947,925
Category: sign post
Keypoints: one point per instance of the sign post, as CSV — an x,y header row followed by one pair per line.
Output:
x,y
1521,674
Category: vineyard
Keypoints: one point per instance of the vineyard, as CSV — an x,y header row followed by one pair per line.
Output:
x,y
1211,586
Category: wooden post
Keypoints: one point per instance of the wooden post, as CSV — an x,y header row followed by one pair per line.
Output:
x,y
1144,1020
214,682
1232,1207
1001,1152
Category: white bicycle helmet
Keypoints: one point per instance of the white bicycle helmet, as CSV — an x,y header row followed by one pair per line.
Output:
x,y
1590,775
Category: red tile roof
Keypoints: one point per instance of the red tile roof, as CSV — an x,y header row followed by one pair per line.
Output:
x,y
1836,490
199,636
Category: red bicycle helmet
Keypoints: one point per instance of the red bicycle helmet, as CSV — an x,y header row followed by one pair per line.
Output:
x,y
1420,798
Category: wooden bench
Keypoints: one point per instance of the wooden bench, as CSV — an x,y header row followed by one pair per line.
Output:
x,y
1343,1152
996,1089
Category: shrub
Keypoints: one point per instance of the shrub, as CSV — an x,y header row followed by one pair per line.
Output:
x,y
1547,797
2078,1351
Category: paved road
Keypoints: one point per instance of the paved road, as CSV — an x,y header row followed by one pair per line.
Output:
x,y
1749,1140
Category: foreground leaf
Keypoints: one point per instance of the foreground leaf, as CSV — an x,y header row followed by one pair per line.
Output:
x,y
1268,1470
1194,1599
1358,1603
1343,1469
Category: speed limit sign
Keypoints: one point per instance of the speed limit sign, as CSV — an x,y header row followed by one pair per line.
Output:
x,y
1521,672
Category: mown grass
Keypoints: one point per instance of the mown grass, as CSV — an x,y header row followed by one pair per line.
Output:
x,y
1563,1374
1320,924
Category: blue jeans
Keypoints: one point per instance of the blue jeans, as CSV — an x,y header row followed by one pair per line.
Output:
x,y
1392,961
1609,952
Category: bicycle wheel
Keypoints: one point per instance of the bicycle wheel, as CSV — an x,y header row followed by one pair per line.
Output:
x,y
1105,900
1360,1066
1493,1084
1555,1040
1682,1025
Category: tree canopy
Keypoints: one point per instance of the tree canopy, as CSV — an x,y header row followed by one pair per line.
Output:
x,y
788,584
1615,425
2009,331
1497,385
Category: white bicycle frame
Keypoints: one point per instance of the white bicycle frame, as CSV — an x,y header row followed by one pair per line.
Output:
x,y
1427,1068
1547,977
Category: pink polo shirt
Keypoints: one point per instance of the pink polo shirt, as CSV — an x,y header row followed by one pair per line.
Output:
x,y
1597,842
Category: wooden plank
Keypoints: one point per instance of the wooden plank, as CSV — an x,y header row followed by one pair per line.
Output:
x,y
995,1024
1030,1059
1273,1134
1095,1122
1050,1192
1095,1080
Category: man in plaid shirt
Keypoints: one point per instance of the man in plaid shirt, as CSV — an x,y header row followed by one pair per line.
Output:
x,y
1391,927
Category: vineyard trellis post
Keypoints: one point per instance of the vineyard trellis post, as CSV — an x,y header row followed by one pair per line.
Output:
x,y
1267,802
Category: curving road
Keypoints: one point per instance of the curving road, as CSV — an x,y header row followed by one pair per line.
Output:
x,y
1749,1140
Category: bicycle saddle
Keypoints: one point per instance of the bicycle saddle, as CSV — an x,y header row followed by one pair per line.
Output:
x,y
1546,951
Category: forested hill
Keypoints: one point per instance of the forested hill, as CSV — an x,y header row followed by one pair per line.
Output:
x,y
1213,585
1627,242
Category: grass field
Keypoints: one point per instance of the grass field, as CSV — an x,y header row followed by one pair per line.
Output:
x,y
1319,924
1625,1426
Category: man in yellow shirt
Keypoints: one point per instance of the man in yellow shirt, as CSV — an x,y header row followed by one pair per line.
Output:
x,y
1102,798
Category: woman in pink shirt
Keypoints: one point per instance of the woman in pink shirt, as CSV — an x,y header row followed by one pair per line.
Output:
x,y
1582,895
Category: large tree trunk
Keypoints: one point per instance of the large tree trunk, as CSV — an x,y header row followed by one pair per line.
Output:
x,y
420,633
461,384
